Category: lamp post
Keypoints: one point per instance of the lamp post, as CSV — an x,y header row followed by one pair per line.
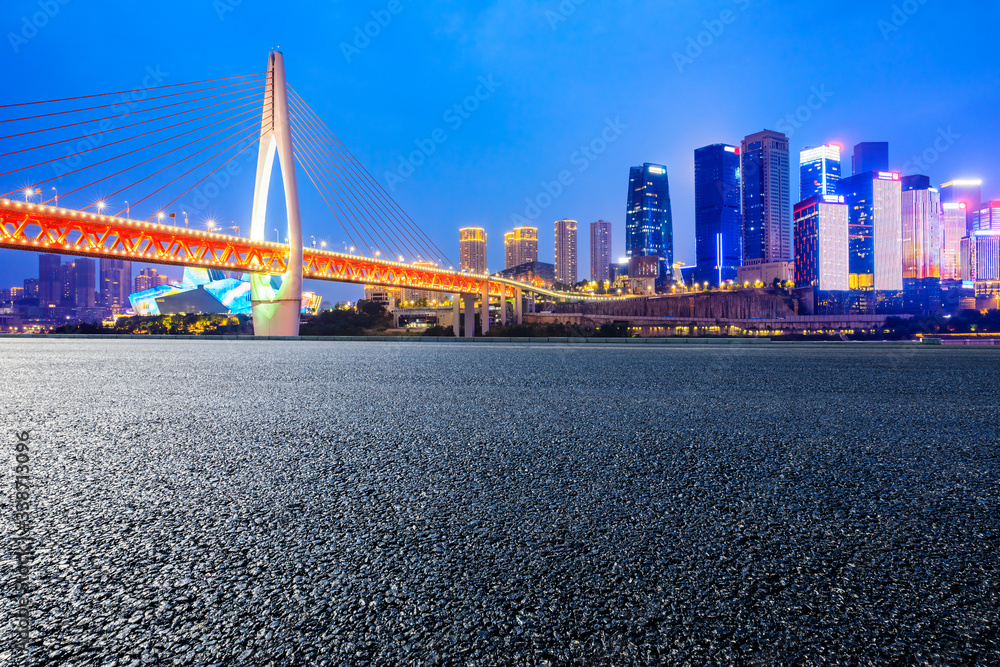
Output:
x,y
57,197
185,218
101,205
128,210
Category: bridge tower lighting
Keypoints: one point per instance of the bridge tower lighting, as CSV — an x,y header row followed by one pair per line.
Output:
x,y
276,308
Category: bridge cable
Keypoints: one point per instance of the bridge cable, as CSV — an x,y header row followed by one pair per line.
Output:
x,y
377,186
425,250
356,205
249,114
404,240
137,90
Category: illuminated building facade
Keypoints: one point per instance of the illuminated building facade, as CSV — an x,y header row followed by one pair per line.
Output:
x,y
149,278
875,230
767,207
953,228
717,219
565,251
649,225
472,249
520,246
986,217
821,243
819,171
981,256
870,156
116,282
968,191
600,251
921,244
85,279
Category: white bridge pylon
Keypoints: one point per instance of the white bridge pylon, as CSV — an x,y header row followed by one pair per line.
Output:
x,y
276,311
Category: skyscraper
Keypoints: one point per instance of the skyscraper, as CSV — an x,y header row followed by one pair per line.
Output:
x,y
600,251
870,156
565,235
819,171
953,228
649,226
821,243
986,217
968,191
67,285
472,244
86,279
116,281
875,228
767,209
921,244
520,246
717,219
49,290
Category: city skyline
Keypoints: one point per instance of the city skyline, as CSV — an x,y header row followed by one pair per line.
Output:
x,y
530,56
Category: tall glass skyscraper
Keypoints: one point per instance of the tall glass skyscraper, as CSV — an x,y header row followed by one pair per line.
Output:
x,y
875,230
649,225
600,250
717,219
952,231
819,171
870,156
921,240
767,207
821,245
968,191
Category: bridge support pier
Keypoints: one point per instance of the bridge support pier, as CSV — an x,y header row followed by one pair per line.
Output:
x,y
485,310
469,302
503,306
518,306
456,314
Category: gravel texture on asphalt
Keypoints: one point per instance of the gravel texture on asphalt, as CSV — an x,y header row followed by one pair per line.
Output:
x,y
273,503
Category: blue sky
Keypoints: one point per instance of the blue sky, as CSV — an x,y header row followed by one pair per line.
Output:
x,y
668,77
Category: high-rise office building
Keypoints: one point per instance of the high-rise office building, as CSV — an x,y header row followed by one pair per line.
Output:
x,y
821,243
600,251
649,226
49,290
565,234
986,217
981,256
870,156
767,208
921,244
85,280
520,246
30,288
875,228
472,249
953,229
968,191
819,171
148,279
717,219
921,228
116,282
67,285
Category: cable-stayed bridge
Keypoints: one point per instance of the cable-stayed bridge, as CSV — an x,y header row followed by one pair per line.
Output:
x,y
175,139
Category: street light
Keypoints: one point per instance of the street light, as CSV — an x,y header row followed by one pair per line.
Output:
x,y
313,240
185,218
128,210
57,197
101,205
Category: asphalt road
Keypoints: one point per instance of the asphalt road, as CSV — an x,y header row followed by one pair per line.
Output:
x,y
210,502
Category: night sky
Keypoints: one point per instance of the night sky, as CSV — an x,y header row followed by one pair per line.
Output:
x,y
657,78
